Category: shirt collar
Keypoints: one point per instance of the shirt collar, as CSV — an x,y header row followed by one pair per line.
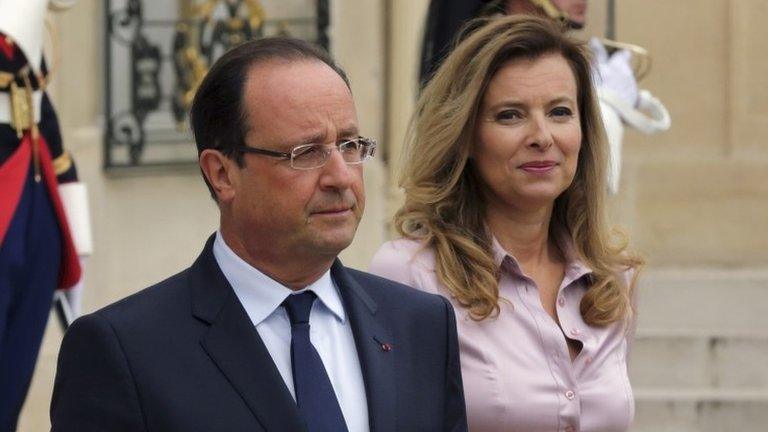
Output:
x,y
261,295
574,266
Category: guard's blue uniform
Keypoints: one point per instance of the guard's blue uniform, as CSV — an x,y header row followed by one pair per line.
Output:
x,y
36,251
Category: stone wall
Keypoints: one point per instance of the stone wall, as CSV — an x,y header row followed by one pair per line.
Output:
x,y
691,197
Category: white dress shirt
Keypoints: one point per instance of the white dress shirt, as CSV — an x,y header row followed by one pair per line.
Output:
x,y
330,331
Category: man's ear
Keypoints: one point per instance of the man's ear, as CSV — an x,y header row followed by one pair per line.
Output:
x,y
219,170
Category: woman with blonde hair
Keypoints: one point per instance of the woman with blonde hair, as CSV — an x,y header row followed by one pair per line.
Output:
x,y
505,183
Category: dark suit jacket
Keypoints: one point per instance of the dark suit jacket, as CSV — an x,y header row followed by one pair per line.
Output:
x,y
183,355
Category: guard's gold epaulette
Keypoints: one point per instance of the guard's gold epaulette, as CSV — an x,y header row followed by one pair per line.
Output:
x,y
5,79
62,164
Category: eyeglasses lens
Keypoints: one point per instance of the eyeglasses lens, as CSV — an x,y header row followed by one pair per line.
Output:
x,y
316,155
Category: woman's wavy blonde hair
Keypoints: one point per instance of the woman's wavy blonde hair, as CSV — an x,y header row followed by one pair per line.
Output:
x,y
444,206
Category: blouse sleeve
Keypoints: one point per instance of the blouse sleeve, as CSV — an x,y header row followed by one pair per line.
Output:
x,y
407,262
391,262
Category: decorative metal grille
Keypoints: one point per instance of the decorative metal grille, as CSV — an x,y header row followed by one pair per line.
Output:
x,y
157,53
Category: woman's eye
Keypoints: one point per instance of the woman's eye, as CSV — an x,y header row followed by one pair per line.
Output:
x,y
508,115
562,112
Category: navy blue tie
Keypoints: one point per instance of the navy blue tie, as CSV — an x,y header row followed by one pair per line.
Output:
x,y
314,392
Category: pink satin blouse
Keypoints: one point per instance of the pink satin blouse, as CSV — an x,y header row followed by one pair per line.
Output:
x,y
517,370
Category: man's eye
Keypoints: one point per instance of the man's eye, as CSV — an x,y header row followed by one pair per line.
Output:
x,y
350,146
307,152
562,112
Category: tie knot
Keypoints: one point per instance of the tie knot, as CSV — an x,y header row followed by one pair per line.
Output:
x,y
298,307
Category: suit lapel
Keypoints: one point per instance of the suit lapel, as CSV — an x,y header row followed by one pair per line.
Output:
x,y
236,348
376,362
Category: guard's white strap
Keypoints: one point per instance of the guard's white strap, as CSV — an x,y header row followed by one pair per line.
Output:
x,y
5,105
614,132
74,197
60,5
657,119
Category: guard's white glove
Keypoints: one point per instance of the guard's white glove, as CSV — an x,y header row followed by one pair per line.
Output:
x,y
614,73
74,198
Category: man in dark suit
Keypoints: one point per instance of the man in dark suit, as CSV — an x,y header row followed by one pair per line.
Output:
x,y
267,330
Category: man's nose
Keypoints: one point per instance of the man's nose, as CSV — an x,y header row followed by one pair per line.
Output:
x,y
336,173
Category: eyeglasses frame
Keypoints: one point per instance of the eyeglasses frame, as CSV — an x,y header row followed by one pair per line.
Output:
x,y
369,142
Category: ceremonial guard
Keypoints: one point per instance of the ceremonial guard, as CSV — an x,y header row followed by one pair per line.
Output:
x,y
616,77
44,222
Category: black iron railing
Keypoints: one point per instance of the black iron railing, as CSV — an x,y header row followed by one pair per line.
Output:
x,y
154,60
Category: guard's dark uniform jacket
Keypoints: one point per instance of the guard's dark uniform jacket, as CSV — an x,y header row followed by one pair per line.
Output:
x,y
17,154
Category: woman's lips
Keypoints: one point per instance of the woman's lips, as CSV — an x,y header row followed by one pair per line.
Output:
x,y
538,167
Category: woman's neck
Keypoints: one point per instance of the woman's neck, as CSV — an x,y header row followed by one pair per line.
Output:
x,y
524,234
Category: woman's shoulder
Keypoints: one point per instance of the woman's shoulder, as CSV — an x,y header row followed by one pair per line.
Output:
x,y
403,260
402,252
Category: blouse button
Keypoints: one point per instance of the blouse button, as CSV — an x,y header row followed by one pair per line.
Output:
x,y
570,395
575,332
561,301
588,360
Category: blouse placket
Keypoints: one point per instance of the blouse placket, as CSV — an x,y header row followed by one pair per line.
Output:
x,y
564,372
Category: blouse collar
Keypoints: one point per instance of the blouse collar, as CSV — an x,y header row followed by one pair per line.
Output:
x,y
574,266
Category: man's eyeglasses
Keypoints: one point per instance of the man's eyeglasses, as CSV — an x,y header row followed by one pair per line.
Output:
x,y
309,156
